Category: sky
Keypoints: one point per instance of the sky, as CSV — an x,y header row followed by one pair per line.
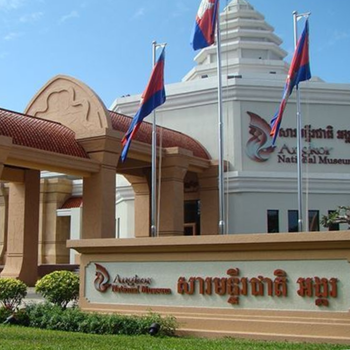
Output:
x,y
107,44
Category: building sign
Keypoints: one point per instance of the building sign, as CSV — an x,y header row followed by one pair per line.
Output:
x,y
125,285
259,146
294,285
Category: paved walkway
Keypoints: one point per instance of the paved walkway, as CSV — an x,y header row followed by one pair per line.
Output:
x,y
32,297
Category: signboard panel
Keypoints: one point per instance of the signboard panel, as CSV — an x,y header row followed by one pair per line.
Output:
x,y
324,135
314,285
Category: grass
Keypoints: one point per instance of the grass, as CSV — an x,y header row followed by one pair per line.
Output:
x,y
19,338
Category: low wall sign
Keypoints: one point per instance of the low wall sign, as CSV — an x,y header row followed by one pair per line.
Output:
x,y
295,285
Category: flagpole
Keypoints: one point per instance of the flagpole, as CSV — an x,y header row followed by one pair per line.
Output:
x,y
299,145
296,16
154,159
222,229
154,229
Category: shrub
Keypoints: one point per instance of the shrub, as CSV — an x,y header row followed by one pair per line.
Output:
x,y
4,313
59,287
339,216
12,291
53,317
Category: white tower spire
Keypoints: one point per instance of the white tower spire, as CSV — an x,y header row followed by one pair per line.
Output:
x,y
249,46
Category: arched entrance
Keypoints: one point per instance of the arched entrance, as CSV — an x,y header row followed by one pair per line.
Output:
x,y
67,129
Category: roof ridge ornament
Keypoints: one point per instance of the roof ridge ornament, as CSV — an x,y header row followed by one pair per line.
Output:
x,y
72,103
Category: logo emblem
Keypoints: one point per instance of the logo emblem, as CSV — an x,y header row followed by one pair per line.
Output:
x,y
101,281
259,146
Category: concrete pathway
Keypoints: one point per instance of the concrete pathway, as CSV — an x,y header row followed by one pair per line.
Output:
x,y
32,297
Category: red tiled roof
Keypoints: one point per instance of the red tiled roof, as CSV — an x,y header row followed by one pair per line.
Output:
x,y
54,137
73,202
40,134
170,138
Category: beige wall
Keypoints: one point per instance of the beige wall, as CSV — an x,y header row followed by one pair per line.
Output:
x,y
3,221
288,316
23,224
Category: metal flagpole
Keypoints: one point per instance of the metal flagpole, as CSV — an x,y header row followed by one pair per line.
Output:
x,y
296,16
154,157
222,229
299,146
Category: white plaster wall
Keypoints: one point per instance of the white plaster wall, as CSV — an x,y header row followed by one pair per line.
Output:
x,y
125,215
75,230
191,108
248,211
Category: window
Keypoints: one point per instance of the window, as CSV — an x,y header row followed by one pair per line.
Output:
x,y
333,227
293,221
314,220
192,218
273,221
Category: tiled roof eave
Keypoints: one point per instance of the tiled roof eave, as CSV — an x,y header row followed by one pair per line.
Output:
x,y
170,138
39,133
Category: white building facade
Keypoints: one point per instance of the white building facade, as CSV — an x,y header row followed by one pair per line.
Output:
x,y
260,181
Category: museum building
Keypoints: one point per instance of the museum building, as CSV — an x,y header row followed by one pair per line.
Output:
x,y
260,180
68,143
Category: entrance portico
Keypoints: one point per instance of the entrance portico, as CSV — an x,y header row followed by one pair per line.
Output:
x,y
67,129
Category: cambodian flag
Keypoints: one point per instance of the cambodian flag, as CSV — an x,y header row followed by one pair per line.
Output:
x,y
152,97
299,71
204,29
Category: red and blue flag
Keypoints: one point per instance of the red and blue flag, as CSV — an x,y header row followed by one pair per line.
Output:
x,y
299,71
152,97
204,28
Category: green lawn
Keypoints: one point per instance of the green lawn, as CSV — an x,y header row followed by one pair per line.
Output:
x,y
18,338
